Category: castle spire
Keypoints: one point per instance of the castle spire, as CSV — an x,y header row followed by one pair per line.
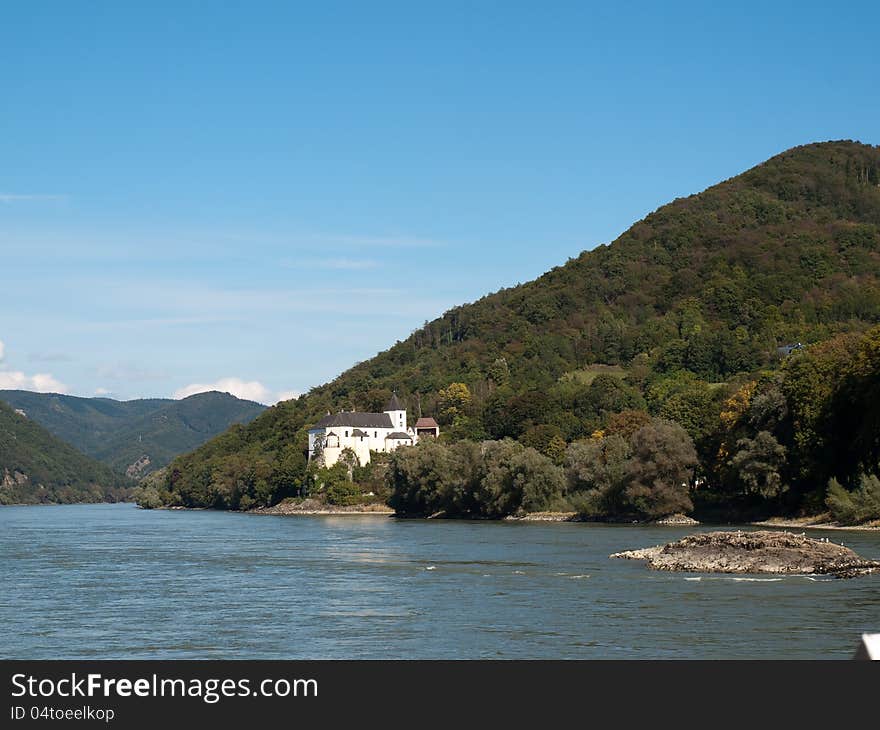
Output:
x,y
394,404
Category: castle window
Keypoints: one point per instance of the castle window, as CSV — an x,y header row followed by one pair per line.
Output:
x,y
346,434
375,434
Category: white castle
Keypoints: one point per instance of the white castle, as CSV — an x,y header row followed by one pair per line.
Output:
x,y
366,432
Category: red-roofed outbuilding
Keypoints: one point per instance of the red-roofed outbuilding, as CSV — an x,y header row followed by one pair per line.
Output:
x,y
427,427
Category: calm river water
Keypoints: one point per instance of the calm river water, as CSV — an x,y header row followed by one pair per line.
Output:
x,y
113,581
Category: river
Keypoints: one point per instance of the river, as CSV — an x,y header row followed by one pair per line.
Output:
x,y
116,582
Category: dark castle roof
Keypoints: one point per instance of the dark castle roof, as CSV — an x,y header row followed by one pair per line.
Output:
x,y
427,423
357,420
394,404
398,435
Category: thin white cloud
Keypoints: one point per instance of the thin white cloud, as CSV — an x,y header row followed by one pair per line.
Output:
x,y
248,390
49,357
351,264
288,395
175,245
340,264
127,372
189,303
40,383
2,349
24,198
378,241
161,322
102,391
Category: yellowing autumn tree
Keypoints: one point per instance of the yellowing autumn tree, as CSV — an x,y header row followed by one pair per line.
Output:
x,y
737,404
453,401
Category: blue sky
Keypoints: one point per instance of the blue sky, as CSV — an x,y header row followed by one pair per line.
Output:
x,y
258,195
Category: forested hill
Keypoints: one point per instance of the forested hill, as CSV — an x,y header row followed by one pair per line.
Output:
x,y
35,466
137,436
682,309
788,251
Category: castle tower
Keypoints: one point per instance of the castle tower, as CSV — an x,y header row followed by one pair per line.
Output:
x,y
397,412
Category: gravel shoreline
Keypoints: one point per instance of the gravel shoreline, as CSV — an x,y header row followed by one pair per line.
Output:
x,y
312,507
315,507
806,524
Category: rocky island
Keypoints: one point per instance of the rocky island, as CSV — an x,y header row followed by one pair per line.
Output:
x,y
765,551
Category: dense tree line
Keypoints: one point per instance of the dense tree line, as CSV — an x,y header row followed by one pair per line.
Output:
x,y
646,474
465,479
680,319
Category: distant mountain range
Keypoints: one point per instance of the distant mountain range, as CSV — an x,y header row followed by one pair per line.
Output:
x,y
133,437
36,467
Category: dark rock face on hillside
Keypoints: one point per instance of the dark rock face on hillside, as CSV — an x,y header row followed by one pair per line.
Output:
x,y
764,551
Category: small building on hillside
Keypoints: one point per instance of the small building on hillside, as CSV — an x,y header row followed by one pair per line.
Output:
x,y
786,350
366,432
427,428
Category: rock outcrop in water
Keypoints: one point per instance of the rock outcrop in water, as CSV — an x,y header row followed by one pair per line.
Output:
x,y
677,520
764,551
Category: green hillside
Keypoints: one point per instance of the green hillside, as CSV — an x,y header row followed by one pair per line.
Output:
x,y
681,317
122,433
37,467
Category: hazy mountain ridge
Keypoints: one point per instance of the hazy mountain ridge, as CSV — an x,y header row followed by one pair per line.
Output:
x,y
120,433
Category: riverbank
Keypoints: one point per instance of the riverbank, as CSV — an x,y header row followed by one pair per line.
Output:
x,y
545,517
316,507
677,520
819,522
